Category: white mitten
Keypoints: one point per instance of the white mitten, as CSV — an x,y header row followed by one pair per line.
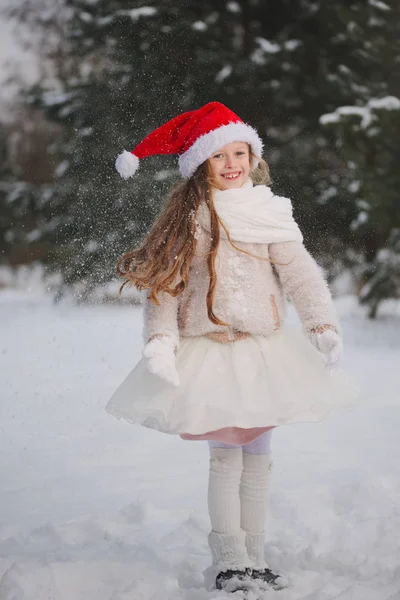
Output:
x,y
160,358
329,343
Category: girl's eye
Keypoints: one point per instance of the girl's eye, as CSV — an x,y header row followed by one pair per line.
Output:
x,y
238,153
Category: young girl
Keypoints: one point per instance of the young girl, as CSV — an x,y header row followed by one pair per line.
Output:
x,y
218,363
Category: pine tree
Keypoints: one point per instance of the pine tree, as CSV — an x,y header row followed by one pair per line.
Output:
x,y
382,275
25,183
138,67
6,212
280,65
365,133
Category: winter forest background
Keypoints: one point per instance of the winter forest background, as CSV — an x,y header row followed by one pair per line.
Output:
x,y
92,508
319,80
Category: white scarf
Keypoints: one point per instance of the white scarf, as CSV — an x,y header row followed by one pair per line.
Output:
x,y
252,214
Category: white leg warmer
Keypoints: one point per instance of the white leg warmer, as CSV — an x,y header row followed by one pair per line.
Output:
x,y
226,540
253,498
228,550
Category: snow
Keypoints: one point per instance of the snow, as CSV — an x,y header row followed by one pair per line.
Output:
x,y
223,73
291,45
343,111
327,194
95,509
354,186
85,131
364,112
386,103
104,21
54,98
267,46
264,47
379,5
136,13
164,174
199,26
33,235
359,220
86,17
233,7
61,168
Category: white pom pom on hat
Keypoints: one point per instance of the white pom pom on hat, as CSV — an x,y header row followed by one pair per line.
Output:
x,y
127,164
194,136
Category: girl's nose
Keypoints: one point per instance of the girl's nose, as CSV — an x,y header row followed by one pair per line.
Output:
x,y
229,161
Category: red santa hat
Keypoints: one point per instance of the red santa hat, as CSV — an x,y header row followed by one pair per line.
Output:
x,y
194,136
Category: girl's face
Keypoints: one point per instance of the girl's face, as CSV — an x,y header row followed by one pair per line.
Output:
x,y
230,165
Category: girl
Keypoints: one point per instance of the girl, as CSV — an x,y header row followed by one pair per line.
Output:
x,y
218,365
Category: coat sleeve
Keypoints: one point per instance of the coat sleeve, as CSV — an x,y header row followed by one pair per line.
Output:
x,y
161,320
302,281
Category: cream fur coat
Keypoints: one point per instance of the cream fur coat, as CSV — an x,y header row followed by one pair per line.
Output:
x,y
250,293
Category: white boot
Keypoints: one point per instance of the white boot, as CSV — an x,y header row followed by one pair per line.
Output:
x,y
226,540
254,489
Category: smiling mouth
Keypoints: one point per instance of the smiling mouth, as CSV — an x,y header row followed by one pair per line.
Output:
x,y
231,175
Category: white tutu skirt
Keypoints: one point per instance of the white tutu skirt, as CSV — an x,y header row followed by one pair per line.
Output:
x,y
256,382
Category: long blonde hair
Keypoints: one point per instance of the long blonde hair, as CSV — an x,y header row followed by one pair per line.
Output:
x,y
162,262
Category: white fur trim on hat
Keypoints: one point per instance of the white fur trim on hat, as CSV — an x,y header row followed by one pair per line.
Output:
x,y
208,143
127,164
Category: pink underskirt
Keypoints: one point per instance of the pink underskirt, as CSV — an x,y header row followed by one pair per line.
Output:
x,y
229,435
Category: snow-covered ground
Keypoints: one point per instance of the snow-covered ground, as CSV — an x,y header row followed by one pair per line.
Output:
x,y
92,508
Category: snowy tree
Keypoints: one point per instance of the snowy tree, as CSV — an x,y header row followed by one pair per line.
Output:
x,y
382,275
365,134
6,212
136,68
25,182
126,70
